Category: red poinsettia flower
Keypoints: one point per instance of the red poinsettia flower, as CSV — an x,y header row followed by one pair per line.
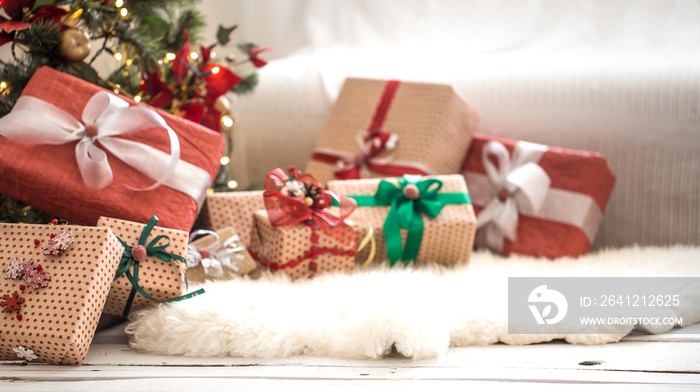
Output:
x,y
181,61
254,53
15,8
206,53
152,84
219,80
50,13
8,28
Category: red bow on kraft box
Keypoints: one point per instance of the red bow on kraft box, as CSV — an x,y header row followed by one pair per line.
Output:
x,y
390,128
536,200
296,206
80,152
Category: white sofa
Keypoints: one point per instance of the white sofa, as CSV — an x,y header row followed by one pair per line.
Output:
x,y
621,78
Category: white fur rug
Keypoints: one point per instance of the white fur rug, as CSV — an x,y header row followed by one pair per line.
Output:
x,y
421,312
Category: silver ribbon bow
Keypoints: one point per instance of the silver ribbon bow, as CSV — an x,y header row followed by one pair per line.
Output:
x,y
216,256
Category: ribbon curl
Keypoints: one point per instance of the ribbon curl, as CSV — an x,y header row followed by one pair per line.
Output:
x,y
106,116
517,181
134,255
407,202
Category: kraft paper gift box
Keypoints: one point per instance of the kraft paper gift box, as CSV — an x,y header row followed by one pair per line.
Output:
x,y
49,313
235,210
389,128
534,199
159,270
123,148
218,255
303,250
447,231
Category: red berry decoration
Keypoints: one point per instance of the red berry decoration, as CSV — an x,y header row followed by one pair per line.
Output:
x,y
411,191
139,253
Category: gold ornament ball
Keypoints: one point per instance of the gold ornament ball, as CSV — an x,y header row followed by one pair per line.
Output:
x,y
75,45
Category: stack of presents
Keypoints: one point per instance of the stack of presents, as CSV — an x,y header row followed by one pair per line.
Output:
x,y
399,176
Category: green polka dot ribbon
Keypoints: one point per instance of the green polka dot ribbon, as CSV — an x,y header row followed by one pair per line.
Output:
x,y
133,255
413,197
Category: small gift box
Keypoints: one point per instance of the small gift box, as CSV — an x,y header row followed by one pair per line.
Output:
x,y
536,200
217,255
80,152
299,233
151,268
390,128
421,219
235,210
54,284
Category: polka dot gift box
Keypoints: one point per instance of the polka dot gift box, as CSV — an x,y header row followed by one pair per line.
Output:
x,y
387,128
235,210
155,257
54,281
415,218
80,152
304,250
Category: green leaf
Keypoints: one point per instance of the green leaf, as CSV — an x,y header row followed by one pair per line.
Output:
x,y
223,34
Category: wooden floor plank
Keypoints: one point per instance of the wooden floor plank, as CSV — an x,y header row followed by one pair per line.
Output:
x,y
640,362
268,385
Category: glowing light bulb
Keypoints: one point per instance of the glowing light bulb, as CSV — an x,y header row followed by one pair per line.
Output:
x,y
123,12
194,56
119,3
118,56
3,85
129,62
225,160
170,56
215,70
210,191
226,121
137,98
232,184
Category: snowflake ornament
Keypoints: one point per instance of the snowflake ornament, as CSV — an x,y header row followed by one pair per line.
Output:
x,y
37,278
12,302
29,267
58,243
25,353
15,270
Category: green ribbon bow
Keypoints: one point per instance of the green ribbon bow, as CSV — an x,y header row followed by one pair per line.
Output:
x,y
128,263
405,212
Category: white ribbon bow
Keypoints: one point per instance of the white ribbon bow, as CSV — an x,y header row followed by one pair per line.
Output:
x,y
518,181
105,116
221,255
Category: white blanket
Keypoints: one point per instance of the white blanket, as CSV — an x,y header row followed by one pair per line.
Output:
x,y
419,312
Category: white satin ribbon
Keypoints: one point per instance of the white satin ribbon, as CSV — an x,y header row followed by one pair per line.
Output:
x,y
34,121
223,254
528,193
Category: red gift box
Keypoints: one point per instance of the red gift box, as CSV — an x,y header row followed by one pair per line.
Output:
x,y
534,199
60,121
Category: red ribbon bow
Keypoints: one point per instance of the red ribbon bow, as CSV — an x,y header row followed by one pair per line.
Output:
x,y
290,200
